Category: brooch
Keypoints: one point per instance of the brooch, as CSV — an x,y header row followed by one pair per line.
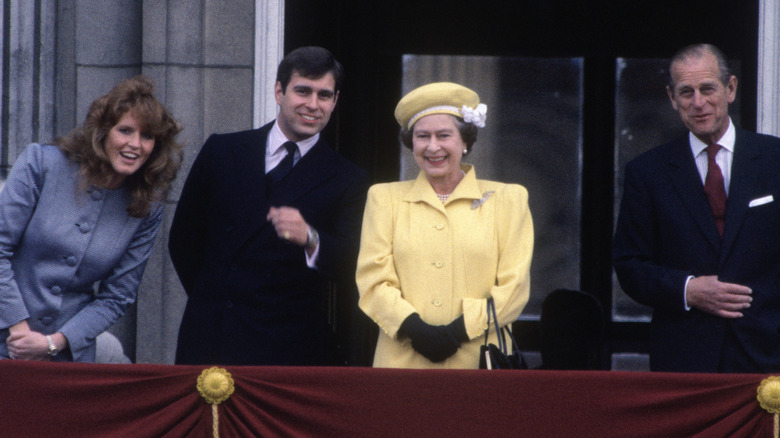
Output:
x,y
477,202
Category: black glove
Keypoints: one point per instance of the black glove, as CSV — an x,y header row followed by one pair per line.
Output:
x,y
436,343
457,329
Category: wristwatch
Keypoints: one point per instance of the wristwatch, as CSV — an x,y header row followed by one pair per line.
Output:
x,y
52,348
312,238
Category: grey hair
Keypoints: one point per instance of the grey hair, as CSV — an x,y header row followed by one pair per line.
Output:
x,y
697,51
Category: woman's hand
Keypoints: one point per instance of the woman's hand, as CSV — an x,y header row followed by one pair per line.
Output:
x,y
19,327
436,343
25,344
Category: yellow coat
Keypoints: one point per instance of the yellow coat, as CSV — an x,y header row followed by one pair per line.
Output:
x,y
443,260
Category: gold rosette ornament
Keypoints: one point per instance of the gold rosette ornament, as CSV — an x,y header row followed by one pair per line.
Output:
x,y
769,399
215,385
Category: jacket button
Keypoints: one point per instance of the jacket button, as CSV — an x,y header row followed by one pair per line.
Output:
x,y
56,290
437,303
47,320
438,264
440,227
97,195
71,261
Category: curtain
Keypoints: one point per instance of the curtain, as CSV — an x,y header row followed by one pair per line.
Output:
x,y
89,400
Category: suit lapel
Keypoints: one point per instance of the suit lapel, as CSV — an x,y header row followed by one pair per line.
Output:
x,y
309,172
687,181
249,167
744,180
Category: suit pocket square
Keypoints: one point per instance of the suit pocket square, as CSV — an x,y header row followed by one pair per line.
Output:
x,y
761,201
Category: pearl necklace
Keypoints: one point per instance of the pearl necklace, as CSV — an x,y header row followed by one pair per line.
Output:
x,y
443,198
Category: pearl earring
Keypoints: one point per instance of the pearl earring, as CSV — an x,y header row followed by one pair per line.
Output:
x,y
465,151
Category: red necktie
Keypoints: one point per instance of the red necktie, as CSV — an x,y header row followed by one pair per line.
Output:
x,y
714,188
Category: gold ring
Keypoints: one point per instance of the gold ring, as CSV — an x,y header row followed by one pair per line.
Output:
x,y
286,235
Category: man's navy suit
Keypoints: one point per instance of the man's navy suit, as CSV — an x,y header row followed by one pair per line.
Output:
x,y
666,232
252,300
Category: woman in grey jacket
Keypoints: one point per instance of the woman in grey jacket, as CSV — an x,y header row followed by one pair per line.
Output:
x,y
81,212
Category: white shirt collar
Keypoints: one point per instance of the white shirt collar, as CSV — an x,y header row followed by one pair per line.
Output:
x,y
726,141
276,139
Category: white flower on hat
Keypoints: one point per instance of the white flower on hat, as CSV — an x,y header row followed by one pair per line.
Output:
x,y
477,116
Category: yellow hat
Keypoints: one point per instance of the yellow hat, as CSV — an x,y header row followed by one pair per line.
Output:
x,y
440,98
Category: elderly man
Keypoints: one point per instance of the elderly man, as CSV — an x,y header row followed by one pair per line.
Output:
x,y
698,233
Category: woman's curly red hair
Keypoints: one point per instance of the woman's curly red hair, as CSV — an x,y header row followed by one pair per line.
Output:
x,y
85,144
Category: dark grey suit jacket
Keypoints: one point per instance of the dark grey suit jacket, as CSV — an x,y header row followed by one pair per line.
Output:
x,y
252,300
666,232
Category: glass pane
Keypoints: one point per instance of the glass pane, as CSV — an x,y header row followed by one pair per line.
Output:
x,y
533,137
644,118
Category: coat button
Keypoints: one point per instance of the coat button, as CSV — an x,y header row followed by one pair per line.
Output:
x,y
56,290
71,261
437,303
440,227
438,264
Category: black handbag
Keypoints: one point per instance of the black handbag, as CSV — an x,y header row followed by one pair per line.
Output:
x,y
497,357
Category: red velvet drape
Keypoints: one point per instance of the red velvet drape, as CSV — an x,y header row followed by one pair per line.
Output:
x,y
85,400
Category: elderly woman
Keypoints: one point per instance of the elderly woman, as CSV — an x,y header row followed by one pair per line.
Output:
x,y
84,210
434,250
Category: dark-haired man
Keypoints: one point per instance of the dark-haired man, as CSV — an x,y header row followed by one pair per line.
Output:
x,y
264,218
698,234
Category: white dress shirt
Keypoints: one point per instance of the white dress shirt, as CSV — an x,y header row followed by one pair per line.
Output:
x,y
275,153
724,158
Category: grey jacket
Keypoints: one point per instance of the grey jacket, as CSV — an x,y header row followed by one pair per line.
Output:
x,y
58,242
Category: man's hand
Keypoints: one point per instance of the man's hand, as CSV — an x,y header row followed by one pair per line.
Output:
x,y
710,295
289,224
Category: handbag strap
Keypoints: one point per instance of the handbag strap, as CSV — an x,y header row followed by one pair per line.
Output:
x,y
491,307
512,337
491,310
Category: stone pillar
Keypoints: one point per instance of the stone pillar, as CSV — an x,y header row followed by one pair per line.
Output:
x,y
269,51
28,110
768,105
107,47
